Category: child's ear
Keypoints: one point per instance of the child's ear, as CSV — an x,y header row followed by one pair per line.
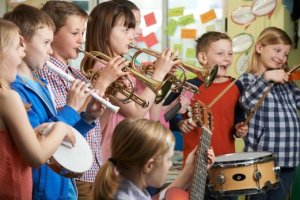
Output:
x,y
258,47
149,165
202,58
22,42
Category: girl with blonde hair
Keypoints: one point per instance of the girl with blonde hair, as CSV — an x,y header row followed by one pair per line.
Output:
x,y
141,156
275,126
20,148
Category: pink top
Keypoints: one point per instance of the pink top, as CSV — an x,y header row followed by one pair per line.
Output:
x,y
114,119
15,174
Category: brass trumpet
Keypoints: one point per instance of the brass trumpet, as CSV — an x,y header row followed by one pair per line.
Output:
x,y
208,75
159,88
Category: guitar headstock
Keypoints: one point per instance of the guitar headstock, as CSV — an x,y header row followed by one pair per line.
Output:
x,y
201,115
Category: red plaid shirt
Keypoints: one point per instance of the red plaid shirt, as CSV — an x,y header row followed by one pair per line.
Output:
x,y
60,88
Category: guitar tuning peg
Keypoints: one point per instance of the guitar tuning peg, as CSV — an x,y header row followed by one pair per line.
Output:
x,y
190,114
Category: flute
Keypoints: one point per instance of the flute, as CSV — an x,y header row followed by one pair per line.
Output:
x,y
70,78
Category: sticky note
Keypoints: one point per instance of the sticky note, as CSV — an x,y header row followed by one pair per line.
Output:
x,y
174,12
210,28
190,53
177,47
150,19
150,40
171,27
188,33
185,20
208,16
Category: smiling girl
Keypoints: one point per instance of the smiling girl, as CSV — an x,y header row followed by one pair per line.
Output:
x,y
275,126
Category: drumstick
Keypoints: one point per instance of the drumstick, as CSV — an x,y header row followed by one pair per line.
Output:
x,y
70,78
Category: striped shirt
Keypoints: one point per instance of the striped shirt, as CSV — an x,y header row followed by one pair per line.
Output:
x,y
275,126
60,88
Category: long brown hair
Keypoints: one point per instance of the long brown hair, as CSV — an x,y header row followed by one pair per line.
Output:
x,y
102,20
134,142
269,36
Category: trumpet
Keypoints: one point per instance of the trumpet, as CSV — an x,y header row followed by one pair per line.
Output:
x,y
208,75
159,88
118,87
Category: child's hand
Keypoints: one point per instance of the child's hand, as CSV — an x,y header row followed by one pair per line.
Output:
x,y
67,130
186,125
189,165
94,109
211,157
241,129
70,137
111,72
77,95
165,62
185,102
276,75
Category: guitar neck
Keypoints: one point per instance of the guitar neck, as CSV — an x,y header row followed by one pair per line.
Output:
x,y
200,174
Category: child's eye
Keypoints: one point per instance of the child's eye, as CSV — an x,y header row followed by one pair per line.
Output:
x,y
277,50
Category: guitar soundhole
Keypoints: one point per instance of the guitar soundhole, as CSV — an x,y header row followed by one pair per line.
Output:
x,y
239,177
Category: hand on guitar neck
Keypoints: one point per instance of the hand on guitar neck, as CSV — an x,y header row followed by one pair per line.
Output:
x,y
204,157
177,190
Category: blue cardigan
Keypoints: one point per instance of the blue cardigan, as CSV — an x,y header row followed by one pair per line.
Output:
x,y
47,184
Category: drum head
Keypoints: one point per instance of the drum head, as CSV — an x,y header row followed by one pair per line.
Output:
x,y
243,157
77,159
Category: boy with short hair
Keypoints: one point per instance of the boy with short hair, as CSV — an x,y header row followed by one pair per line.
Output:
x,y
216,48
37,29
70,20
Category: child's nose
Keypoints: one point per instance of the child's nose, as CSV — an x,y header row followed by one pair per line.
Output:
x,y
50,51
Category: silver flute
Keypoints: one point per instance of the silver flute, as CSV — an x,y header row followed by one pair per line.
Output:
x,y
70,78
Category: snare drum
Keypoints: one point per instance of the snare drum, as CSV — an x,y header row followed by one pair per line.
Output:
x,y
72,162
243,173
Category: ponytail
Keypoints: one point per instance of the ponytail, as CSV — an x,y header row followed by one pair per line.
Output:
x,y
106,183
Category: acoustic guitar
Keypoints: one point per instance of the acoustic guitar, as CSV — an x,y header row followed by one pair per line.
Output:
x,y
201,115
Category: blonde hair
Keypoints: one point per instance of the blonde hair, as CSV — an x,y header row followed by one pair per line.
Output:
x,y
8,31
134,142
269,36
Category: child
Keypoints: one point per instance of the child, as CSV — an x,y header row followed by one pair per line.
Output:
x,y
141,154
275,126
216,48
70,20
20,147
110,30
157,111
37,29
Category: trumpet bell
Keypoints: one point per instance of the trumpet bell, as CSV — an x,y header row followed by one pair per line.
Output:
x,y
163,91
209,79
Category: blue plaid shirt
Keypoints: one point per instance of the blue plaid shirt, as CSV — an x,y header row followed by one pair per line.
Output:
x,y
275,126
60,88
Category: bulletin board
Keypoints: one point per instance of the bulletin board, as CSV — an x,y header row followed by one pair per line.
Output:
x,y
177,24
